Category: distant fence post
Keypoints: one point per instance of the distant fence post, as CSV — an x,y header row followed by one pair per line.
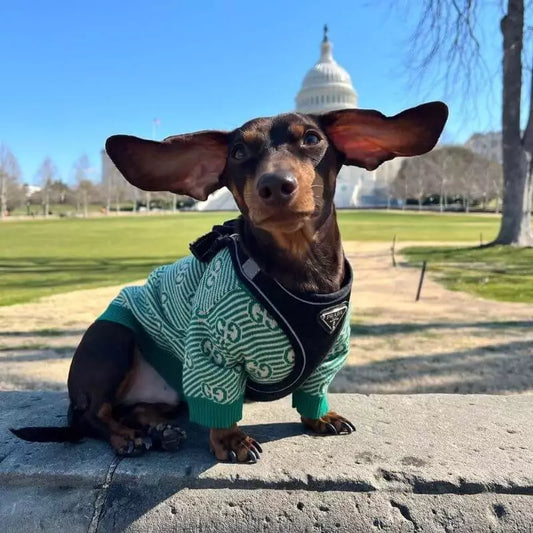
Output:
x,y
422,274
392,250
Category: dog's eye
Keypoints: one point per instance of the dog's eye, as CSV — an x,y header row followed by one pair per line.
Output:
x,y
311,138
238,152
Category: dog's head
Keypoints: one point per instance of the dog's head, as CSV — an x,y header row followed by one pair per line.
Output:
x,y
280,170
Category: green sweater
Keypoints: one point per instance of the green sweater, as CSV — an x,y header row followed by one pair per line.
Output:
x,y
205,334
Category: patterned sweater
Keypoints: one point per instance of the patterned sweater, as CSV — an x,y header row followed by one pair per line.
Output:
x,y
203,331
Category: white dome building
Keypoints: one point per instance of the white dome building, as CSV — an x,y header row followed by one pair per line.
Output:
x,y
327,86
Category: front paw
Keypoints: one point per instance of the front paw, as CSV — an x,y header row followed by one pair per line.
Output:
x,y
234,445
330,424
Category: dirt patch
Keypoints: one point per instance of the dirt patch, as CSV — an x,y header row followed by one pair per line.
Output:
x,y
446,342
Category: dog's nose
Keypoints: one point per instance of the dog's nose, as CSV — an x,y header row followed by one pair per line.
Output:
x,y
277,188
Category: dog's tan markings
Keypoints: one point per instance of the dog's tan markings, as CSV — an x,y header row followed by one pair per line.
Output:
x,y
256,209
297,130
295,243
105,414
149,415
233,444
237,195
330,424
252,136
305,174
119,443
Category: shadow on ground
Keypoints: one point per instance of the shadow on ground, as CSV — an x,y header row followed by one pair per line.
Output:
x,y
49,332
500,367
368,330
497,368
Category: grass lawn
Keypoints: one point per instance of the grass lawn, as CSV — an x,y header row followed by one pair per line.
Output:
x,y
39,258
409,226
43,257
497,273
55,209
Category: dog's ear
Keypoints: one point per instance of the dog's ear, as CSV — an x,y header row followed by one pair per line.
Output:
x,y
188,164
368,138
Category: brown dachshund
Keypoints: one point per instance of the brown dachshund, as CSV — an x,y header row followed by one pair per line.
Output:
x,y
282,172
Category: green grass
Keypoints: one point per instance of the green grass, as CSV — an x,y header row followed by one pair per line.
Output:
x,y
496,273
43,257
39,258
409,226
55,209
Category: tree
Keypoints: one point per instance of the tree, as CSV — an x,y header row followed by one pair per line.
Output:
x,y
414,180
9,177
46,175
59,191
446,34
449,171
84,187
85,191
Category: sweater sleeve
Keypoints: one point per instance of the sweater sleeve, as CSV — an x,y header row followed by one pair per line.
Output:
x,y
310,399
213,371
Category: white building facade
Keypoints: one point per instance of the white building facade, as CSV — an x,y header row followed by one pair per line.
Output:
x,y
328,87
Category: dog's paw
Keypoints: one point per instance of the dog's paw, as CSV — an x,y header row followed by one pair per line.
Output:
x,y
130,446
234,445
330,424
167,437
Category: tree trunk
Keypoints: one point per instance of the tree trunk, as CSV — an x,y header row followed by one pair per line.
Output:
x,y
147,197
3,194
85,205
517,171
46,203
108,198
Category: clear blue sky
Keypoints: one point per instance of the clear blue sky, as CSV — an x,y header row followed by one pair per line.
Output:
x,y
74,72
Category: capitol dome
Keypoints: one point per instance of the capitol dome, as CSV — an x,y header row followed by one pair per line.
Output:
x,y
327,86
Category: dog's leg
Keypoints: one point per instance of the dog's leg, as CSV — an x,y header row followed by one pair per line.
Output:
x,y
234,445
100,369
330,424
156,420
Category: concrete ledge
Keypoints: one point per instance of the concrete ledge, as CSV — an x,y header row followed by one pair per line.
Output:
x,y
416,463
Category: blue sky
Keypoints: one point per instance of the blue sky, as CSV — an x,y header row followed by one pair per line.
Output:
x,y
74,73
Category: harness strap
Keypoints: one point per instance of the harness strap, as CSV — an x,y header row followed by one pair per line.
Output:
x,y
297,314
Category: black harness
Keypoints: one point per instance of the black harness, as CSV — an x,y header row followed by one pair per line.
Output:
x,y
311,321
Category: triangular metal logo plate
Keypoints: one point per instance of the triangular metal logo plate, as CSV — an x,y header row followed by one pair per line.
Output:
x,y
330,318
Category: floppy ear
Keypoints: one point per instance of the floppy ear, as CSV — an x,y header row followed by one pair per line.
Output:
x,y
185,164
368,138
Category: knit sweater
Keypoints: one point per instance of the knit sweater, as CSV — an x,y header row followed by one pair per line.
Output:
x,y
203,331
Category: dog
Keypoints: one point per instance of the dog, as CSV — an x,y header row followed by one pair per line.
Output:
x,y
261,307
